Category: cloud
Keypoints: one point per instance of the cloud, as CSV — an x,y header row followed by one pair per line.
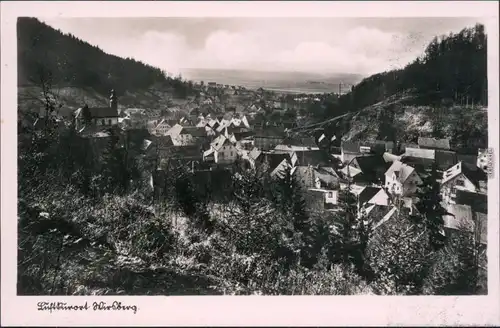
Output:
x,y
263,44
361,50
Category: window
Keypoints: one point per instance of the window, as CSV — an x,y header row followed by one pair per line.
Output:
x,y
231,153
460,183
102,122
330,195
109,122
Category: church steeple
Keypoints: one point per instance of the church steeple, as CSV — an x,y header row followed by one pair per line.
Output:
x,y
113,101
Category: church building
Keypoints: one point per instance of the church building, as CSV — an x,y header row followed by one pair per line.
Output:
x,y
98,116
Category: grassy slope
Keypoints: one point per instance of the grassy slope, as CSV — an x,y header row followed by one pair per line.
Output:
x,y
29,99
410,120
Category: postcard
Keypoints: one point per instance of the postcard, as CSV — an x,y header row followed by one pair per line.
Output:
x,y
249,163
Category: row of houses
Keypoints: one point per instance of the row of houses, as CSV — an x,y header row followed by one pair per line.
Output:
x,y
378,171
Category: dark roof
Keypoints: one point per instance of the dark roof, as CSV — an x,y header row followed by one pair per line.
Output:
x,y
469,159
417,162
302,142
102,112
478,202
236,129
371,163
271,132
313,158
194,131
445,159
473,173
243,134
350,147
186,152
367,193
434,143
335,150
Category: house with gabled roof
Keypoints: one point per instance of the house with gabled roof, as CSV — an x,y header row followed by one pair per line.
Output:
x,y
461,176
222,150
402,179
318,178
372,167
418,157
370,198
322,199
161,128
98,116
322,184
252,156
349,150
277,163
432,143
188,135
191,155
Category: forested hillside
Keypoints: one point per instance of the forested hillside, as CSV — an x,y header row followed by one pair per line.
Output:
x,y
48,54
443,93
451,71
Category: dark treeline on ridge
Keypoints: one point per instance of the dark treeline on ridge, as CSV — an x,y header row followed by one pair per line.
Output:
x,y
76,63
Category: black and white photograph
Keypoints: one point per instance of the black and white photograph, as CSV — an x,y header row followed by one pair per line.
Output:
x,y
271,156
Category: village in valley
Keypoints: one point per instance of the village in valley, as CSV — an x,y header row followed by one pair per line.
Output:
x,y
216,136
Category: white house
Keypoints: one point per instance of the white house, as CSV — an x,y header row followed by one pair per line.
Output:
x,y
401,179
330,196
175,133
222,150
161,128
460,177
253,155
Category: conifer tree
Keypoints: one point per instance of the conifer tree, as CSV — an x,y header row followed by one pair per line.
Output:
x,y
429,209
345,226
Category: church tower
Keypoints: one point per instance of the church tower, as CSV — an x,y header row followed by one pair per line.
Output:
x,y
113,101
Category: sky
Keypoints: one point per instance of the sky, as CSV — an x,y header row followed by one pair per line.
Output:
x,y
316,45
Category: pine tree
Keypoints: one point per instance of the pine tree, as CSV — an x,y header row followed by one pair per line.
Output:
x,y
429,209
192,204
345,225
291,203
399,256
252,220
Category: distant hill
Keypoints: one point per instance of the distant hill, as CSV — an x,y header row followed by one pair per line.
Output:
x,y
293,82
68,62
443,93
